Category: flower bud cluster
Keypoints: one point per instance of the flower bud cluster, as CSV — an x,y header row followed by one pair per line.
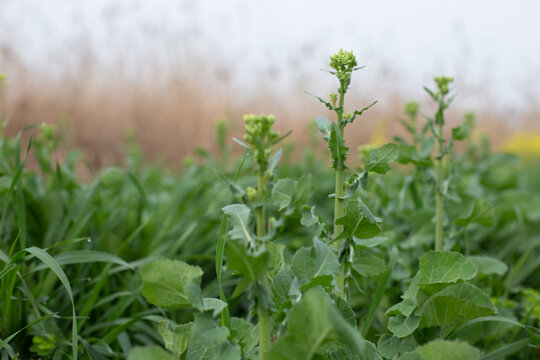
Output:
x,y
411,109
260,136
48,132
443,84
344,63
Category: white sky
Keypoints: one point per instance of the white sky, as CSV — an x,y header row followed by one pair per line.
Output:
x,y
491,47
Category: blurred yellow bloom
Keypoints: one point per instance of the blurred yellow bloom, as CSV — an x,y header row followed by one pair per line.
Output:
x,y
378,137
523,144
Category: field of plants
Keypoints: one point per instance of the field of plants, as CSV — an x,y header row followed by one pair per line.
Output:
x,y
426,247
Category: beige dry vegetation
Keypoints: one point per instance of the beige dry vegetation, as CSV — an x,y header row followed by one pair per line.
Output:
x,y
176,113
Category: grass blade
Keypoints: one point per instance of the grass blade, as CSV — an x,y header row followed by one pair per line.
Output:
x,y
55,267
8,339
506,350
220,252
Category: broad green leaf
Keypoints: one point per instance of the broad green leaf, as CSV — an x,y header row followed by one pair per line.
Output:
x,y
207,336
355,224
274,160
453,306
482,213
411,355
402,326
350,336
438,267
428,144
366,212
342,353
175,337
150,353
242,262
309,327
461,132
345,310
172,283
309,218
292,195
381,158
407,306
324,126
312,323
371,242
448,350
281,285
489,265
303,190
406,153
316,265
214,305
228,351
388,346
282,193
337,147
240,219
367,263
246,335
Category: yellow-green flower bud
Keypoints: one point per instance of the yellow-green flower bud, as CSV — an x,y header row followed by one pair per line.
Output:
x,y
251,193
188,161
442,84
411,109
344,63
333,98
47,131
259,137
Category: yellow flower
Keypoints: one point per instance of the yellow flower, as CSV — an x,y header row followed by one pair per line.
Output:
x,y
527,144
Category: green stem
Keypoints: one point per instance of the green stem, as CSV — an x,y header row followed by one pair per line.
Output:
x,y
264,331
439,205
338,202
414,194
339,192
338,205
262,312
261,230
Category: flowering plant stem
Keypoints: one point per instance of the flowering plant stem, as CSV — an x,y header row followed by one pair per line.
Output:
x,y
338,201
339,191
262,312
439,198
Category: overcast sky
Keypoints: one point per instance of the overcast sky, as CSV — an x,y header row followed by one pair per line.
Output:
x,y
492,47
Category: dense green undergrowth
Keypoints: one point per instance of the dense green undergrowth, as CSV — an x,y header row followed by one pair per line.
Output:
x,y
421,251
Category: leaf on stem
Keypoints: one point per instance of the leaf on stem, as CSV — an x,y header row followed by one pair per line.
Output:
x,y
481,213
358,221
437,267
240,218
316,265
172,283
381,158
337,147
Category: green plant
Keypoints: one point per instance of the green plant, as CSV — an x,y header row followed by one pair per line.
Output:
x,y
343,64
437,124
286,278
